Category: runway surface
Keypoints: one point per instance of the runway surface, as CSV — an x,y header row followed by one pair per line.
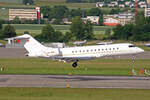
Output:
x,y
61,81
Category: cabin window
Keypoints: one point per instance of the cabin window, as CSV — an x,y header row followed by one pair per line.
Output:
x,y
80,51
98,49
91,50
130,46
76,51
95,49
87,50
117,48
83,50
72,51
102,49
113,48
109,48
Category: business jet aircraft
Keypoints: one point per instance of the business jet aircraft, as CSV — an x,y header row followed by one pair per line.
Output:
x,y
74,54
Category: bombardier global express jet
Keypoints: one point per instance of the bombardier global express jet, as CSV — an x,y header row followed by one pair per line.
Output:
x,y
74,54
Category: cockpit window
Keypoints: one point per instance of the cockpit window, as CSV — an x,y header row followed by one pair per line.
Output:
x,y
130,46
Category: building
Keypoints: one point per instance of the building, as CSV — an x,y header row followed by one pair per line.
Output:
x,y
110,16
148,2
147,9
15,42
132,5
121,6
142,2
126,18
29,14
121,18
66,21
115,3
147,12
111,5
92,19
143,6
111,22
100,4
128,3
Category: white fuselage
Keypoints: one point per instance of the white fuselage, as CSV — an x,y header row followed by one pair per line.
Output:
x,y
84,52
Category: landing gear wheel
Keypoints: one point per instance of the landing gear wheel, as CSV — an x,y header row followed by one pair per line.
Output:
x,y
74,64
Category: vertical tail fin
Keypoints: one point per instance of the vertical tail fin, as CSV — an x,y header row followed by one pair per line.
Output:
x,y
33,47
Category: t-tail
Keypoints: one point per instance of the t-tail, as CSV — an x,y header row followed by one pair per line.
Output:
x,y
36,49
33,47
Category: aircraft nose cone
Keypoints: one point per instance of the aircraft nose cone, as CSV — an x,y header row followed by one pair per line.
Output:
x,y
141,50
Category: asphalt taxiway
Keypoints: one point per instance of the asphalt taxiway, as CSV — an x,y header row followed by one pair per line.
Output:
x,y
61,81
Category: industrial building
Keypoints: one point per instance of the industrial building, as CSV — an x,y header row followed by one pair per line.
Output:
x,y
28,14
92,19
110,20
126,18
121,18
147,12
147,9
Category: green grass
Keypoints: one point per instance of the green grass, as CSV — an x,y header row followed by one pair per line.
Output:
x,y
90,67
3,42
3,13
35,29
62,2
73,94
11,1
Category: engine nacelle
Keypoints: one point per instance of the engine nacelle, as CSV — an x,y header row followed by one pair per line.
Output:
x,y
62,60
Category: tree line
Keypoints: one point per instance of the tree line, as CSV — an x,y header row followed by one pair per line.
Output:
x,y
7,32
78,31
81,31
60,12
134,32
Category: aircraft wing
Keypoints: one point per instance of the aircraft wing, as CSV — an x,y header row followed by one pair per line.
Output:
x,y
71,59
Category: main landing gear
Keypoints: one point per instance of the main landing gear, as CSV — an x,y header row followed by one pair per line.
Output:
x,y
75,64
